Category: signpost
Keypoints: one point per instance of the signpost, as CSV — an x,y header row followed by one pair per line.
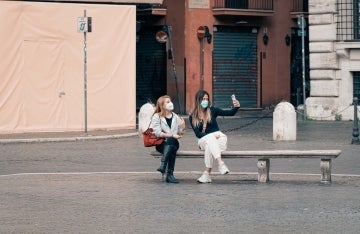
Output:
x,y
302,24
164,36
201,35
84,25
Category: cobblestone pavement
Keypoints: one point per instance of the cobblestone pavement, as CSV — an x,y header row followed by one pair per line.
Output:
x,y
106,183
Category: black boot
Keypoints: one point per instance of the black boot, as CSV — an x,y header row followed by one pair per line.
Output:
x,y
165,158
170,172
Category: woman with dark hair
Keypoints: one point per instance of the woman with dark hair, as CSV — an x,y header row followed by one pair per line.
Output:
x,y
211,139
167,124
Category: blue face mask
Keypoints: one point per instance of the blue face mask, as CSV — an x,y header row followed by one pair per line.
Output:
x,y
204,104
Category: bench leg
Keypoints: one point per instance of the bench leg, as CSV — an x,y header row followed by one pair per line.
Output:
x,y
325,165
263,170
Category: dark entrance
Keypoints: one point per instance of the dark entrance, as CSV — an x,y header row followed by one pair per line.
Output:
x,y
296,95
150,67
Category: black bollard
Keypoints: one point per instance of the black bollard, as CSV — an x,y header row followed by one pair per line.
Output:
x,y
355,133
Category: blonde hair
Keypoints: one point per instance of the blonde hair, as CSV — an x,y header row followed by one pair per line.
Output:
x,y
198,110
159,108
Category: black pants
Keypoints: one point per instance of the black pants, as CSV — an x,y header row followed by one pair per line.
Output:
x,y
169,141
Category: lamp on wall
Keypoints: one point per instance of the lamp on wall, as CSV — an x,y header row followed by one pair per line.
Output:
x,y
208,35
287,40
265,39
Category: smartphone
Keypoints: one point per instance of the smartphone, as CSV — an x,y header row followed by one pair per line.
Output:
x,y
233,97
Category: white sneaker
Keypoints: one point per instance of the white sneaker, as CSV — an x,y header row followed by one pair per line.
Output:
x,y
223,169
204,178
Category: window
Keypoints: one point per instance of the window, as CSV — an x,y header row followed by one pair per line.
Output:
x,y
348,20
356,19
356,84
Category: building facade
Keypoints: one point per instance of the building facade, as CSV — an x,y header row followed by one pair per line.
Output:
x,y
65,72
250,48
334,58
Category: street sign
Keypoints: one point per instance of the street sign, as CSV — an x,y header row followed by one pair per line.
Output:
x,y
161,37
84,24
301,22
201,32
300,32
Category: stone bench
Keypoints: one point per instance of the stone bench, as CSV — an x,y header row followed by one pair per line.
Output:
x,y
264,156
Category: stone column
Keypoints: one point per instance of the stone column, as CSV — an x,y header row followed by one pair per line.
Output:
x,y
263,170
324,64
325,165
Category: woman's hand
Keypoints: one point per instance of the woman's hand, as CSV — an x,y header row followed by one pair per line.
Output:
x,y
182,122
236,103
176,136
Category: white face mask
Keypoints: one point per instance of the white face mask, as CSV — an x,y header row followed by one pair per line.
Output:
x,y
169,106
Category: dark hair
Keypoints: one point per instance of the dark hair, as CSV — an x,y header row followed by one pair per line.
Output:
x,y
198,109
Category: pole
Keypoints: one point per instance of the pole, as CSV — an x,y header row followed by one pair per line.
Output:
x,y
85,82
174,68
355,133
303,62
202,62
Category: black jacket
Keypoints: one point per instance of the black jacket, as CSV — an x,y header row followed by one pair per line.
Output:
x,y
213,125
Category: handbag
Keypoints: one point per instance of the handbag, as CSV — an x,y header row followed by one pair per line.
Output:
x,y
150,139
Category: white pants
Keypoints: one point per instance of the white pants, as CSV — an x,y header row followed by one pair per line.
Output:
x,y
212,146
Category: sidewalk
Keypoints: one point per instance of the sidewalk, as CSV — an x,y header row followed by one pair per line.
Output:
x,y
95,135
250,122
65,136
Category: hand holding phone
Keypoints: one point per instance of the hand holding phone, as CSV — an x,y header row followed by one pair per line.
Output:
x,y
235,102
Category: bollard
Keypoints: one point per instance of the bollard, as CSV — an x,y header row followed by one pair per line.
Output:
x,y
355,133
284,122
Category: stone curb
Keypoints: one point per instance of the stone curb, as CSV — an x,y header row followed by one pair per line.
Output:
x,y
66,139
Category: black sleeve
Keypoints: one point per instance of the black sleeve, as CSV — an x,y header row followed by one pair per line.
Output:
x,y
221,112
196,129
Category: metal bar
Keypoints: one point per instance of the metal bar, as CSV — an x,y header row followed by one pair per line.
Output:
x,y
202,42
85,82
174,67
302,25
355,140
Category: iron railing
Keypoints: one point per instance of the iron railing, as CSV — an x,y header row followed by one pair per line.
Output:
x,y
147,6
244,4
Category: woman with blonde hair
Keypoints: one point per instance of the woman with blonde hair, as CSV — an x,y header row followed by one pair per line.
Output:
x,y
167,124
211,139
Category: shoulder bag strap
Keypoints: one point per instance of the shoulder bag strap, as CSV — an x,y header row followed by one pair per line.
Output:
x,y
151,120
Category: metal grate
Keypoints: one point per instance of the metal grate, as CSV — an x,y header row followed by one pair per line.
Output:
x,y
356,84
244,4
348,20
